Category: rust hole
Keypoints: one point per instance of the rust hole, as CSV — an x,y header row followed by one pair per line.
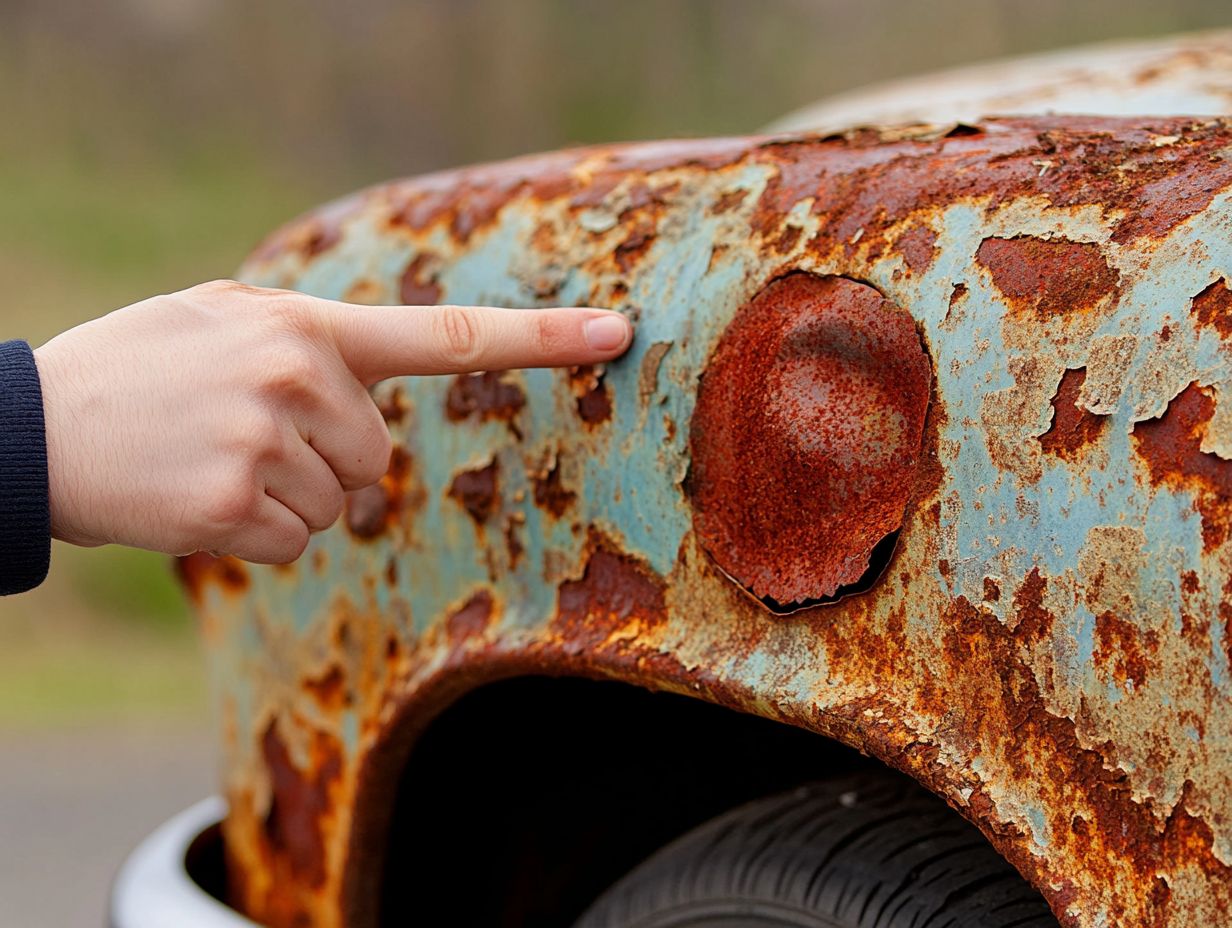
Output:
x,y
878,560
804,443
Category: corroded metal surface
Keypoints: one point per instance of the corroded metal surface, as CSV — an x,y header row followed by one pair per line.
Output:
x,y
1049,646
1181,74
805,437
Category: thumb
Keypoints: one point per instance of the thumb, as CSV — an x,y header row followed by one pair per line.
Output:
x,y
377,342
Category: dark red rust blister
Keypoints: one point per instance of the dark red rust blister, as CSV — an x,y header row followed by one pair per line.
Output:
x,y
805,439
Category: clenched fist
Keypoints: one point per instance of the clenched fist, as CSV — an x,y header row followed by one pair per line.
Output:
x,y
231,419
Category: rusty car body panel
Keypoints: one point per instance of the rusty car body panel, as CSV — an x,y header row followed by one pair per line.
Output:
x,y
1189,73
1031,397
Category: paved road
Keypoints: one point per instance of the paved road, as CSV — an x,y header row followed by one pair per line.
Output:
x,y
72,804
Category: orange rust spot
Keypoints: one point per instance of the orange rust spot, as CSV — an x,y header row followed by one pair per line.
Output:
x,y
486,397
728,201
329,689
1171,446
594,405
1032,621
322,238
1073,428
550,495
1048,277
193,570
513,544
918,246
787,239
992,590
1118,646
370,511
475,490
391,571
1213,308
196,569
299,803
615,591
634,246
394,406
232,574
471,620
806,437
419,286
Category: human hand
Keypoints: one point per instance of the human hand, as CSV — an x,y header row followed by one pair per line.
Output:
x,y
231,419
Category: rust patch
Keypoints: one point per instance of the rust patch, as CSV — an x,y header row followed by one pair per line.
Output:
x,y
320,239
393,405
1032,622
1171,446
299,801
329,689
1073,428
471,620
195,570
594,405
1213,308
1118,648
634,246
550,494
372,510
918,248
513,544
808,428
867,183
728,201
616,594
475,491
1002,696
486,397
419,286
1048,277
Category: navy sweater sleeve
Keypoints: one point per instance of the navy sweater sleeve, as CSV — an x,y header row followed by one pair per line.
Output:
x,y
25,514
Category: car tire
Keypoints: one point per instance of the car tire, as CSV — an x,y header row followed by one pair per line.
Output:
x,y
867,851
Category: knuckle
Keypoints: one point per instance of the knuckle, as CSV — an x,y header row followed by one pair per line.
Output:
x,y
459,335
549,338
258,438
290,370
230,503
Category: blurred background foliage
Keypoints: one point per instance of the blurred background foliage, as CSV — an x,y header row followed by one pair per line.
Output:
x,y
147,144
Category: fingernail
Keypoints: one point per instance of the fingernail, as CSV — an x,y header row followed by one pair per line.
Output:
x,y
606,333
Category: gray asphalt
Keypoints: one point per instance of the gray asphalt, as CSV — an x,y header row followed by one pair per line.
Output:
x,y
73,803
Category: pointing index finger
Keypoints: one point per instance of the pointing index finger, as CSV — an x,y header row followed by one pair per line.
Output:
x,y
377,342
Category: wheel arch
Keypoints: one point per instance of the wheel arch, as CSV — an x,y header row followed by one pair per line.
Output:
x,y
437,746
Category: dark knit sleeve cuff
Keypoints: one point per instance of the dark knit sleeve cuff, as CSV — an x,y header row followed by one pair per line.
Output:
x,y
25,512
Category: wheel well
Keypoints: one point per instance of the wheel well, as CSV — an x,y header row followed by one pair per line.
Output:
x,y
528,797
